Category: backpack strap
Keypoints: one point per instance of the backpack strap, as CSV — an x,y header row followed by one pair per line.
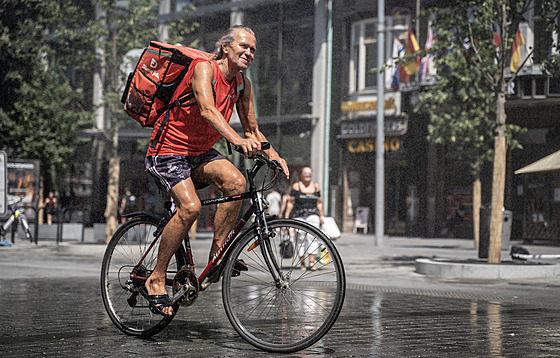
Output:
x,y
180,102
161,128
241,87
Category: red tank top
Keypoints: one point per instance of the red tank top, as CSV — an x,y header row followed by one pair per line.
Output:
x,y
186,132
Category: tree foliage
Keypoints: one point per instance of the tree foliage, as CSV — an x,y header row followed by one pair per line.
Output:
x,y
43,50
121,29
475,38
550,12
462,103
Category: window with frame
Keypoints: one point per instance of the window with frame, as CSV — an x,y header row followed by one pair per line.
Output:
x,y
363,57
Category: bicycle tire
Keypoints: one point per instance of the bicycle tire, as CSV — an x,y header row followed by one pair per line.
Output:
x,y
296,315
129,310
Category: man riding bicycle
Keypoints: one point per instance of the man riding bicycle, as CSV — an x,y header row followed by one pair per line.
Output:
x,y
184,157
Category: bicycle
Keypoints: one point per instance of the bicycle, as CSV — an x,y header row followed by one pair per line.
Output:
x,y
17,217
274,305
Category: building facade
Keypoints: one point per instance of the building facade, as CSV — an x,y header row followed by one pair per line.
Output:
x,y
318,107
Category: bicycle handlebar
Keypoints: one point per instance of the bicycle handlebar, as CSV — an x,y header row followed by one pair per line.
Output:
x,y
272,164
264,146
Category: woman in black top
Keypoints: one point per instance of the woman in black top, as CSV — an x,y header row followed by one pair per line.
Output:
x,y
305,204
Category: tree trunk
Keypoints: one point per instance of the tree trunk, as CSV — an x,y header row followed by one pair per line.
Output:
x,y
431,190
112,198
498,182
112,190
477,199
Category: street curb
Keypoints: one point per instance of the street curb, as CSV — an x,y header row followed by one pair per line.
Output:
x,y
448,268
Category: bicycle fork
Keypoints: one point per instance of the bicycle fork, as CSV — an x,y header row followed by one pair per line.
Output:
x,y
263,238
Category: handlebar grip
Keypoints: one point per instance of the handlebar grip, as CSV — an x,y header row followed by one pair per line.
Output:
x,y
264,146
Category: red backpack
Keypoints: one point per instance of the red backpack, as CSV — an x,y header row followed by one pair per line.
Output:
x,y
152,84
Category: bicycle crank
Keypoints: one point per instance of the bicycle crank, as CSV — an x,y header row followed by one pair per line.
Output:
x,y
185,287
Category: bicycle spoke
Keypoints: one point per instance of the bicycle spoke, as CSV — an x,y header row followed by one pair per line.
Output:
x,y
304,306
123,271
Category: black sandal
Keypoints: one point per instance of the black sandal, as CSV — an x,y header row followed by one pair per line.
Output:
x,y
156,302
239,266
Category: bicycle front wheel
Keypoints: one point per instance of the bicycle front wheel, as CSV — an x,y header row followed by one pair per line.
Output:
x,y
296,312
127,263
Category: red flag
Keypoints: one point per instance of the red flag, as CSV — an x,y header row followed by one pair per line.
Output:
x,y
496,39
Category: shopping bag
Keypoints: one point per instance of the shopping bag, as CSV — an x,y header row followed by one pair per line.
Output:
x,y
287,248
330,228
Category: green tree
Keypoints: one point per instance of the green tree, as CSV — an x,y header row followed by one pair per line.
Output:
x,y
42,51
123,27
475,67
459,106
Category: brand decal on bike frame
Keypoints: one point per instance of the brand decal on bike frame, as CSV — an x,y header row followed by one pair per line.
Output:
x,y
229,238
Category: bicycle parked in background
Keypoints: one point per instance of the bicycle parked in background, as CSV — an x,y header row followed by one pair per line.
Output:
x,y
17,217
269,300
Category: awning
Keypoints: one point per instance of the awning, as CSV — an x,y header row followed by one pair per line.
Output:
x,y
551,162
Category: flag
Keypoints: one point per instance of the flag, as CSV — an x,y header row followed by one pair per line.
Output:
x,y
515,62
413,66
426,60
496,38
398,51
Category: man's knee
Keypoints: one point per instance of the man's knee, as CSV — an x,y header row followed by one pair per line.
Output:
x,y
188,212
234,185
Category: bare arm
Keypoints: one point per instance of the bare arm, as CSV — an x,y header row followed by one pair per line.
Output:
x,y
246,112
289,206
320,205
202,89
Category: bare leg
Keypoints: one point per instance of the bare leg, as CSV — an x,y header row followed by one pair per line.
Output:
x,y
312,262
188,208
302,263
224,175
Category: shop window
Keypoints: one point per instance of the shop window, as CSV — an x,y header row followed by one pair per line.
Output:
x,y
363,57
532,86
282,72
554,86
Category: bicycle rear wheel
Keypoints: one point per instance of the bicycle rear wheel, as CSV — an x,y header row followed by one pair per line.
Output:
x,y
297,313
122,274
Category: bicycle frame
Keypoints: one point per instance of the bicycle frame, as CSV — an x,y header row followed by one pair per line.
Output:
x,y
260,226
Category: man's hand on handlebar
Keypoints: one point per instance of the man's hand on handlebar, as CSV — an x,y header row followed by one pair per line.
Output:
x,y
274,157
281,164
249,147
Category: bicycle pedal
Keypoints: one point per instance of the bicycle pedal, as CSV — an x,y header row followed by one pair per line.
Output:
x,y
239,266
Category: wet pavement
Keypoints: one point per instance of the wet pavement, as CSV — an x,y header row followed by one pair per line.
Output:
x,y
51,306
